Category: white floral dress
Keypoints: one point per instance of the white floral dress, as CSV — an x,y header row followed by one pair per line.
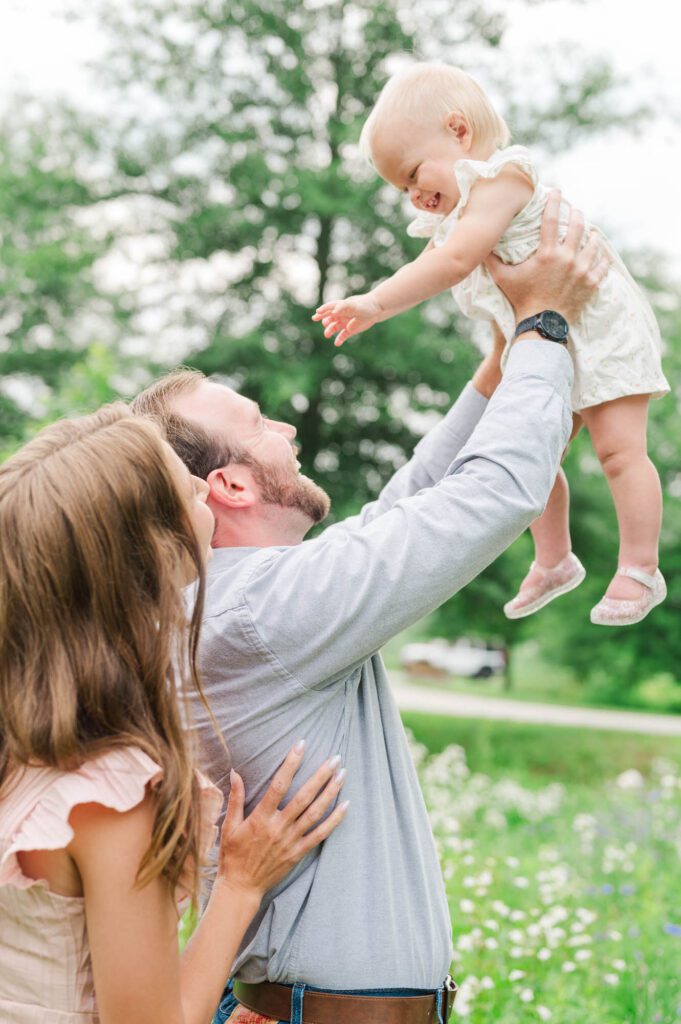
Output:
x,y
615,343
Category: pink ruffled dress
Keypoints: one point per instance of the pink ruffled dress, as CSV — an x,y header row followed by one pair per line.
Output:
x,y
45,966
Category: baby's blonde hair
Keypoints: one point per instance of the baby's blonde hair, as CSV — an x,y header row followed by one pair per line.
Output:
x,y
429,92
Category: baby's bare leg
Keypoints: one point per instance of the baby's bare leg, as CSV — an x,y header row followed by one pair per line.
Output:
x,y
618,434
551,531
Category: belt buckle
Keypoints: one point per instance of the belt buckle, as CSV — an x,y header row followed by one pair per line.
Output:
x,y
450,989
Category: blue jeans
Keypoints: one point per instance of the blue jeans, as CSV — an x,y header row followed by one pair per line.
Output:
x,y
227,1006
228,1003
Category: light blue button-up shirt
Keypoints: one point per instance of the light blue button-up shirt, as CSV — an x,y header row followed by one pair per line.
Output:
x,y
290,650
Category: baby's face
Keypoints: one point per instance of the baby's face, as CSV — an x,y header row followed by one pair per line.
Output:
x,y
420,161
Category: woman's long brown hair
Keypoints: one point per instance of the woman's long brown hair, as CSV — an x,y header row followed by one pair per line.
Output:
x,y
95,648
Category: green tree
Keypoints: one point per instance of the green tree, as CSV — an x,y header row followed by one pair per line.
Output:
x,y
51,308
243,134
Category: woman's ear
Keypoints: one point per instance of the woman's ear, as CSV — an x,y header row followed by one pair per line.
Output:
x,y
460,128
233,487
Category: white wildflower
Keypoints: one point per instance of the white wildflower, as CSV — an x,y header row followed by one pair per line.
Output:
x,y
526,995
466,906
569,967
611,979
631,779
516,975
544,1013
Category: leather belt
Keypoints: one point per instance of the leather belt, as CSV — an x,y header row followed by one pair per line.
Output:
x,y
271,1000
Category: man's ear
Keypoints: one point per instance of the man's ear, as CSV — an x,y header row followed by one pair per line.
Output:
x,y
233,487
459,126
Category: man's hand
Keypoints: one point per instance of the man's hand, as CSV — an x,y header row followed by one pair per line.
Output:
x,y
559,275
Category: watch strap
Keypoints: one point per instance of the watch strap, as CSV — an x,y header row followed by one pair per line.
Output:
x,y
537,323
530,323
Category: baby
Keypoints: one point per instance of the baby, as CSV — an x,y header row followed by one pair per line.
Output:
x,y
434,135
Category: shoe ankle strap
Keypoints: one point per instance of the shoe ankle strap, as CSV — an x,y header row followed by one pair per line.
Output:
x,y
644,578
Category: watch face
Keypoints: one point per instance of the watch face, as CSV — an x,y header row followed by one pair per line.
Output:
x,y
554,324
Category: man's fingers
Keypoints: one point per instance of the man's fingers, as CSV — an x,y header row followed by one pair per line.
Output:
x,y
591,251
575,230
593,261
322,831
600,270
548,232
281,782
309,791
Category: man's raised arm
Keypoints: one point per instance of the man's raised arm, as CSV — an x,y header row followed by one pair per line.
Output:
x,y
322,607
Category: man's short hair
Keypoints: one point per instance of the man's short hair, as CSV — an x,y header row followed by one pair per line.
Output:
x,y
200,451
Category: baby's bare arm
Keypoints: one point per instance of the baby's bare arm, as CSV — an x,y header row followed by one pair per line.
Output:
x,y
491,207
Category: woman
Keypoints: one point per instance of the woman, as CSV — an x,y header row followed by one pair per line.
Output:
x,y
104,821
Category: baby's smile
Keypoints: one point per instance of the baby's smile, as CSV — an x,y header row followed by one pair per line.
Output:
x,y
432,202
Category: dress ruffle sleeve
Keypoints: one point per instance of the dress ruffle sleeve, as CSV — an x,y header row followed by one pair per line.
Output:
x,y
117,779
425,225
469,172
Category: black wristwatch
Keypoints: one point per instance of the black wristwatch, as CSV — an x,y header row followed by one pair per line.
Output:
x,y
549,324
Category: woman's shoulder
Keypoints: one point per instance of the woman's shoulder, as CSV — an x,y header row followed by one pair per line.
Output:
x,y
38,801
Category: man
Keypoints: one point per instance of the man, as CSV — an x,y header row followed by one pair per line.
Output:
x,y
292,632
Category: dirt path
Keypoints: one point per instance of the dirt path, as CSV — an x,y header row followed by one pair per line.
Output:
x,y
466,705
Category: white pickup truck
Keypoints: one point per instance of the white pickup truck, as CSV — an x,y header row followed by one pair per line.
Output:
x,y
462,658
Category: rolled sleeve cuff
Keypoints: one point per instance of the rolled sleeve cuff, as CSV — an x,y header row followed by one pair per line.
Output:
x,y
545,359
469,407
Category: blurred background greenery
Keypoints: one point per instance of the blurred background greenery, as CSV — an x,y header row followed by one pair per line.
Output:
x,y
219,197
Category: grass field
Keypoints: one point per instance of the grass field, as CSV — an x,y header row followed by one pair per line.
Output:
x,y
561,854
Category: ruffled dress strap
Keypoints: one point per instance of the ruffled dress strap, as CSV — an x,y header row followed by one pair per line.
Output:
x,y
41,801
424,225
469,172
35,814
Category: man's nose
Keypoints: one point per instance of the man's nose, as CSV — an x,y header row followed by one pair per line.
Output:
x,y
287,429
414,195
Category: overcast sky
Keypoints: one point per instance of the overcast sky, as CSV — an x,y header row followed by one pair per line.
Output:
x,y
630,186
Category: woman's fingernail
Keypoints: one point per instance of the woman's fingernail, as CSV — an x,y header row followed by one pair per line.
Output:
x,y
299,747
232,777
344,806
339,776
335,761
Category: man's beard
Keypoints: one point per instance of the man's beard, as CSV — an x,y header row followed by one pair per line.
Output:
x,y
289,491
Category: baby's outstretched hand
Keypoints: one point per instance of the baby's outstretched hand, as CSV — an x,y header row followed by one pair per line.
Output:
x,y
347,317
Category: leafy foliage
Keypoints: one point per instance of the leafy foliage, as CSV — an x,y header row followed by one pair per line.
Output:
x,y
224,197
